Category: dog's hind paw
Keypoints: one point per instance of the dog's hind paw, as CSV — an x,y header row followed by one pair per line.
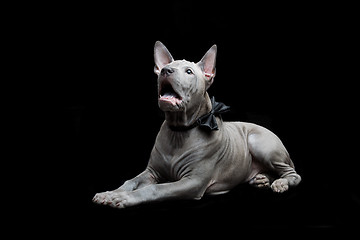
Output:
x,y
280,185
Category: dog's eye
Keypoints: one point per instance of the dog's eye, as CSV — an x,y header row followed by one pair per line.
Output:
x,y
188,71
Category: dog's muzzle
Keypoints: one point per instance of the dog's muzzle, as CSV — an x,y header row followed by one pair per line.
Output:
x,y
169,97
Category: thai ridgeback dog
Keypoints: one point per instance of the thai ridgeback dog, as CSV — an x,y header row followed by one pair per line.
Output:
x,y
195,152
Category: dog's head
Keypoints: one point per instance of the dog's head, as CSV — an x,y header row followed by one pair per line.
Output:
x,y
182,84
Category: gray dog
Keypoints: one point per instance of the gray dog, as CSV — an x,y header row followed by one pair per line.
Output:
x,y
195,152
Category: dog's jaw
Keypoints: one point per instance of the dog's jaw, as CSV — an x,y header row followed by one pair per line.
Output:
x,y
169,98
188,116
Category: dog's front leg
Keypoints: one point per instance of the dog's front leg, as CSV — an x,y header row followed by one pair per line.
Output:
x,y
186,188
143,179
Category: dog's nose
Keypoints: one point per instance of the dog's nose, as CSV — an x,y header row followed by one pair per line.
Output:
x,y
167,71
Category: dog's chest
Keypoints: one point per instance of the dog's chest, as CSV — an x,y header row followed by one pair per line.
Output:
x,y
174,157
174,165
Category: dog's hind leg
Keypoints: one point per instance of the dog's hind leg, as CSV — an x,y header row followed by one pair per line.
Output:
x,y
288,176
269,152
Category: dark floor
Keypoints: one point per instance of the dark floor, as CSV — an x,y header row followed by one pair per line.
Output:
x,y
307,208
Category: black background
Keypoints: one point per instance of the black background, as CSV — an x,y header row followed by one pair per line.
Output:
x,y
278,65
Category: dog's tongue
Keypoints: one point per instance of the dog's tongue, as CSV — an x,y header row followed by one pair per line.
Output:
x,y
170,97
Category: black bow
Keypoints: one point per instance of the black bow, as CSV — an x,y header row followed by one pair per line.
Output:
x,y
208,121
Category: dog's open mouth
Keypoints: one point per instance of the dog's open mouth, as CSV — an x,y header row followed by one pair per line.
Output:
x,y
168,94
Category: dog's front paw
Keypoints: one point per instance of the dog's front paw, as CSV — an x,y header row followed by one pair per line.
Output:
x,y
102,198
116,199
280,185
260,181
122,200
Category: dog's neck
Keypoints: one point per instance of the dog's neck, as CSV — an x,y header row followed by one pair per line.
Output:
x,y
189,116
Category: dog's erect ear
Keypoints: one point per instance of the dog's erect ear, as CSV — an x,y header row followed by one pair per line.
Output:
x,y
162,57
207,64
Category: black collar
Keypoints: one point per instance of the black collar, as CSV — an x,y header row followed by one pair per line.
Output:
x,y
208,121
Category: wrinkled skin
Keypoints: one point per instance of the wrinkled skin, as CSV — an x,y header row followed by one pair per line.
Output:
x,y
188,164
